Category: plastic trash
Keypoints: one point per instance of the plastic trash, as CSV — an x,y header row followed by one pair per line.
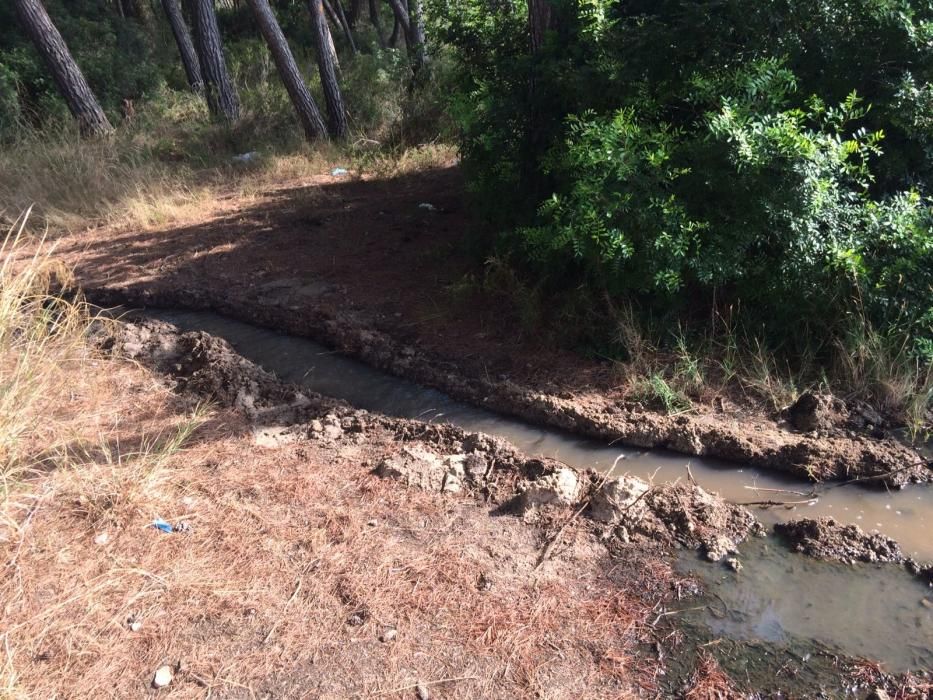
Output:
x,y
339,172
427,206
160,524
245,157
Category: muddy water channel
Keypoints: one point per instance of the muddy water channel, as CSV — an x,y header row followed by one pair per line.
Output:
x,y
881,612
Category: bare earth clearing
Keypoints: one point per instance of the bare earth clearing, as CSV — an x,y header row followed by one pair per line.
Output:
x,y
361,266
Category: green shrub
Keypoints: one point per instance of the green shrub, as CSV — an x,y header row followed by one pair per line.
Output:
x,y
769,157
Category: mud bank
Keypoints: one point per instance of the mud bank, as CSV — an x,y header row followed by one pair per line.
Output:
x,y
818,454
437,457
826,539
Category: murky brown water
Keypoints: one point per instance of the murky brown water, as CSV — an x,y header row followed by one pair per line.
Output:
x,y
874,611
879,612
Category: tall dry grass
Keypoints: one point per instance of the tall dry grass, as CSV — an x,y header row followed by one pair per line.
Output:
x,y
42,336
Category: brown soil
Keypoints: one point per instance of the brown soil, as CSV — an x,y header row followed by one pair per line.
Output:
x,y
827,539
358,265
298,572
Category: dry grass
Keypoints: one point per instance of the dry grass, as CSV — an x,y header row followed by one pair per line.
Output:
x,y
709,682
41,339
299,561
168,165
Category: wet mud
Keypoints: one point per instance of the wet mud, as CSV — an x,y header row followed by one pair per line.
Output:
x,y
819,453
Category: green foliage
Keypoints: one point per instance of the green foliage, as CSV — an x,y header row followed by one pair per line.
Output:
x,y
773,158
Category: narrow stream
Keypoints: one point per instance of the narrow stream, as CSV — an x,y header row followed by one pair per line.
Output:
x,y
878,611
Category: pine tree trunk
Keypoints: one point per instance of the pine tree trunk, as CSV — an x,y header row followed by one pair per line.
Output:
x,y
539,21
353,14
416,41
308,112
401,19
345,24
377,23
189,57
67,75
222,98
396,31
336,112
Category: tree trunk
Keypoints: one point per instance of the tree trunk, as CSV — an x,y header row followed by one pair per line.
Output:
x,y
67,75
222,98
353,15
416,40
539,21
308,112
189,58
401,19
341,15
377,23
396,31
336,112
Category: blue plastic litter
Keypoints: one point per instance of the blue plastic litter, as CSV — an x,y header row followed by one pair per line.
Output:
x,y
337,172
160,524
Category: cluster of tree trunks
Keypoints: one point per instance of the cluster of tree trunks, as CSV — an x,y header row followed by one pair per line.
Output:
x,y
308,113
202,57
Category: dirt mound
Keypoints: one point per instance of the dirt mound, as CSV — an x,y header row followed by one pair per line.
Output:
x,y
673,514
203,365
827,539
813,412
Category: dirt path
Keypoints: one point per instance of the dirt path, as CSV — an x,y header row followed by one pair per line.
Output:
x,y
361,266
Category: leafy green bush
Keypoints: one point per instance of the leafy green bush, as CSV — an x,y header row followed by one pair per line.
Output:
x,y
768,157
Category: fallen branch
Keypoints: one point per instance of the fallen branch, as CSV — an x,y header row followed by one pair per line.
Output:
x,y
779,503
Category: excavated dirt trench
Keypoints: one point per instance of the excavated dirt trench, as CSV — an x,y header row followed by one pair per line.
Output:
x,y
442,457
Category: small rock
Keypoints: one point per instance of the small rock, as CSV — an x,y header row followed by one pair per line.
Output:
x,y
421,690
356,619
135,626
372,523
927,603
879,694
163,676
559,486
718,546
734,564
317,426
102,538
483,583
388,635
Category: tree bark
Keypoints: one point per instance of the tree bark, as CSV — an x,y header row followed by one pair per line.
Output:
x,y
377,23
308,112
397,30
221,93
416,39
401,18
353,14
336,112
189,57
335,12
539,21
67,75
345,24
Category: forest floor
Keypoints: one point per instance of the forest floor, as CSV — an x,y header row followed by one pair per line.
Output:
x,y
380,269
